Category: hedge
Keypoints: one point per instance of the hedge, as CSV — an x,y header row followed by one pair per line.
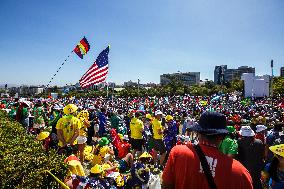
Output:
x,y
23,161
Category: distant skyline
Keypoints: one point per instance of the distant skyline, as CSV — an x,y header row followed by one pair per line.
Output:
x,y
147,38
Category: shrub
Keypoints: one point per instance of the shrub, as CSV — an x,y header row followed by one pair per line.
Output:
x,y
22,160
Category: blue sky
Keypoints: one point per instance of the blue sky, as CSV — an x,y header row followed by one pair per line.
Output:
x,y
147,37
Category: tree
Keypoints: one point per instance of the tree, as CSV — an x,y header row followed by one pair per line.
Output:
x,y
278,85
209,84
237,85
175,86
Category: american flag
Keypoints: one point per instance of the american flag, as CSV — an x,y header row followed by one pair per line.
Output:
x,y
97,72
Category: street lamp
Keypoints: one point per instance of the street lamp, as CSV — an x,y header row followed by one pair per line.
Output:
x,y
271,65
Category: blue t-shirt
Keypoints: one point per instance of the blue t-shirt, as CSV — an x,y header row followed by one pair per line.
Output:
x,y
280,175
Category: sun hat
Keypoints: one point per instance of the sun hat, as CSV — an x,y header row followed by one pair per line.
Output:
x,y
97,169
125,137
71,158
148,116
277,149
211,123
158,112
104,141
70,108
145,155
260,128
231,129
84,114
42,135
169,118
246,131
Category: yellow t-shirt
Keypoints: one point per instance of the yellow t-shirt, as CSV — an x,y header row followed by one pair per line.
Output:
x,y
156,125
68,125
98,158
84,126
136,126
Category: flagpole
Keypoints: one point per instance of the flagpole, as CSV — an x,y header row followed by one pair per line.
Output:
x,y
138,86
112,94
107,91
271,87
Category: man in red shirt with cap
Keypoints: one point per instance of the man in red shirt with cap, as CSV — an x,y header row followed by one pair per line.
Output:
x,y
185,170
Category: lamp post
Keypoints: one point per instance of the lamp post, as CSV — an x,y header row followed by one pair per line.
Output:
x,y
271,83
138,86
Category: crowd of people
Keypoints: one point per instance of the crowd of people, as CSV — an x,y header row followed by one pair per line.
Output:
x,y
220,141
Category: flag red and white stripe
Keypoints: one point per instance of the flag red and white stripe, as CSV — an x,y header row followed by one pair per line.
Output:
x,y
97,73
94,76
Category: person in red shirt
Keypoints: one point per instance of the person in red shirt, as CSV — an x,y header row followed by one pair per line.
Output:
x,y
2,106
184,170
260,133
124,147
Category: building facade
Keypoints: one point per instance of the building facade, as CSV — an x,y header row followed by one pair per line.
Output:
x,y
282,71
222,74
219,74
256,86
130,84
187,78
30,90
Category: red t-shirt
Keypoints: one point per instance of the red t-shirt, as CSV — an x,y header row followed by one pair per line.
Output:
x,y
123,149
261,137
183,169
2,106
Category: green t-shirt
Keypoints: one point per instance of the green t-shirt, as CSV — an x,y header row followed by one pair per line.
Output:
x,y
38,115
229,146
25,113
114,121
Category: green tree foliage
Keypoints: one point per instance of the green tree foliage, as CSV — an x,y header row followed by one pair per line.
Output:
x,y
278,85
173,88
23,161
237,85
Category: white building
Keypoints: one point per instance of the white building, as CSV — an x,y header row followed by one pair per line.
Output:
x,y
255,86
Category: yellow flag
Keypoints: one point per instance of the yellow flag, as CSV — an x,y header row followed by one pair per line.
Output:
x,y
59,181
